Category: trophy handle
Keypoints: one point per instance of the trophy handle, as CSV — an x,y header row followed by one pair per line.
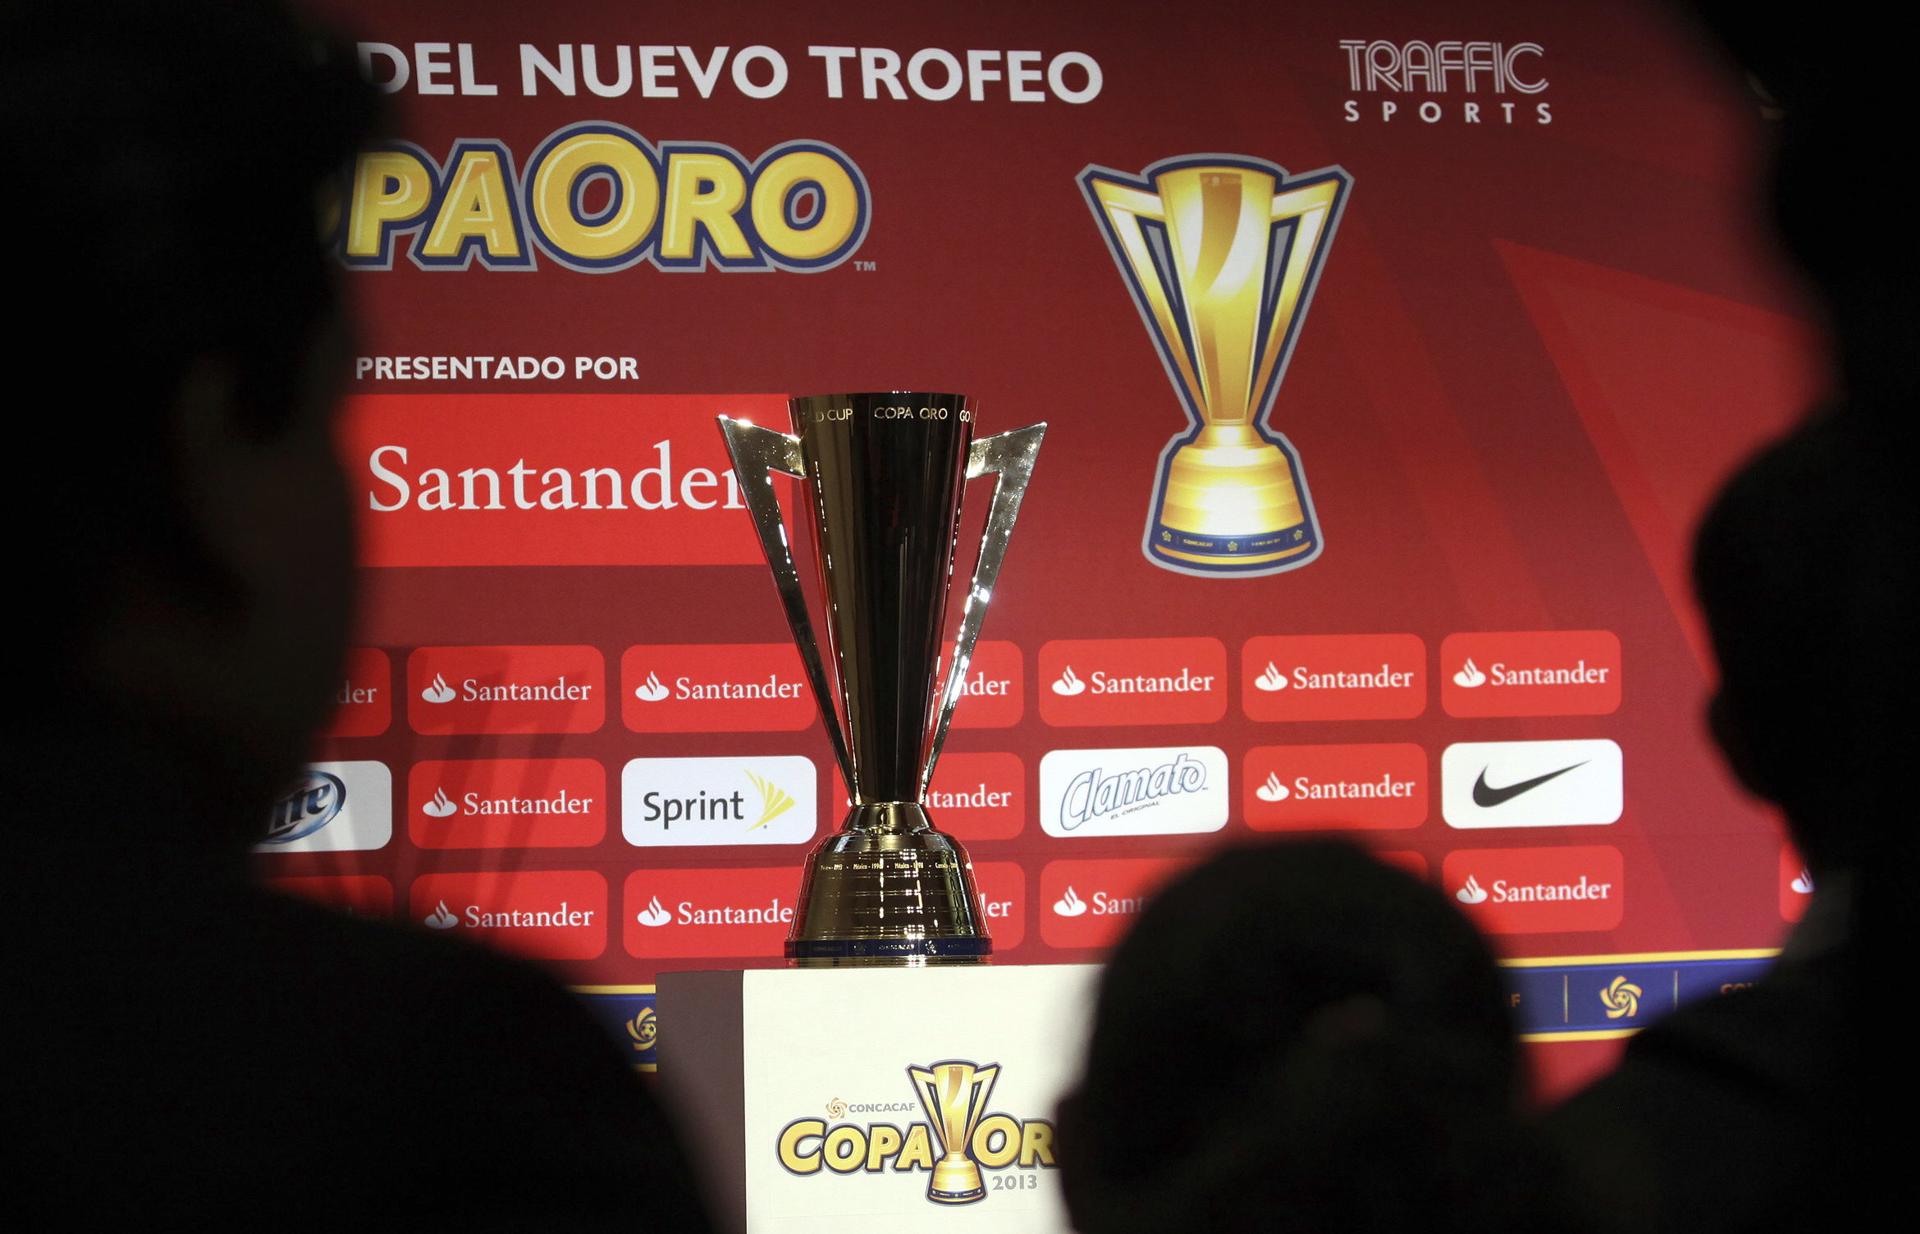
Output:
x,y
1010,457
758,453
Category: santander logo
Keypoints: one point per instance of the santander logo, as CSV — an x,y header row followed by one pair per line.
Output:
x,y
506,690
1133,681
441,806
1334,677
1069,904
654,915
1532,673
1539,891
714,688
1272,790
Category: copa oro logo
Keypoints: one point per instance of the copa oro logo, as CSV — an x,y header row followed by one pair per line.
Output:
x,y
956,1141
598,197
1621,998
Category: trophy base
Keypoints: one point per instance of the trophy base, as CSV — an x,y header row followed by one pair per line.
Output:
x,y
887,891
1231,501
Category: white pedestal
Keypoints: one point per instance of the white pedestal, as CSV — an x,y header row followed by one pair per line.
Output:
x,y
795,1090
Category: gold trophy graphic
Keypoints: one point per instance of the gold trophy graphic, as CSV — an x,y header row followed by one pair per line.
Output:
x,y
882,476
955,1097
1221,254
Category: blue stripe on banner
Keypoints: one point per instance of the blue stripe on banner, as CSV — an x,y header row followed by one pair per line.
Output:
x,y
1618,996
631,1019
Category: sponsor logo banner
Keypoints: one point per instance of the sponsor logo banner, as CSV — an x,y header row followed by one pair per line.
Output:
x,y
507,803
674,802
1531,784
1531,673
1335,787
506,690
548,914
715,688
1334,677
1143,681
700,914
1003,902
747,913
363,705
333,808
992,694
1165,790
1538,890
492,480
358,895
972,797
1092,903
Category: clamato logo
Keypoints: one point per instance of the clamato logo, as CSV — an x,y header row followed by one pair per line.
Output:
x,y
960,1135
1538,890
1531,784
332,808
363,704
1531,673
1334,677
358,895
991,691
1445,83
1320,788
1092,903
1166,790
506,690
715,688
1146,681
507,803
549,914
454,479
675,802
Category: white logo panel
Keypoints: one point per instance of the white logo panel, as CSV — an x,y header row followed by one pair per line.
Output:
x,y
333,808
1171,790
1531,784
675,802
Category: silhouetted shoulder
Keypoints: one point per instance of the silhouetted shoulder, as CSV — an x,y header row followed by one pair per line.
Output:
x,y
1725,1116
270,1056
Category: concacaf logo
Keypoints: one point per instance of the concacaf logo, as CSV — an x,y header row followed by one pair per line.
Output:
x,y
957,1140
598,197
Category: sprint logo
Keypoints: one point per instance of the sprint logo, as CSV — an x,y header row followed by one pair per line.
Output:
x,y
678,802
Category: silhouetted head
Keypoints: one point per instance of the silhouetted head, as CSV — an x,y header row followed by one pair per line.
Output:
x,y
1808,569
180,509
1294,1037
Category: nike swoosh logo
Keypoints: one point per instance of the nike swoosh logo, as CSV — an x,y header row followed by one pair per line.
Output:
x,y
1486,796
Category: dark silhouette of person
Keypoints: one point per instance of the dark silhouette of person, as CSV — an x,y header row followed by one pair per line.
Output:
x,y
1774,1107
1748,1111
182,1045
1297,1037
